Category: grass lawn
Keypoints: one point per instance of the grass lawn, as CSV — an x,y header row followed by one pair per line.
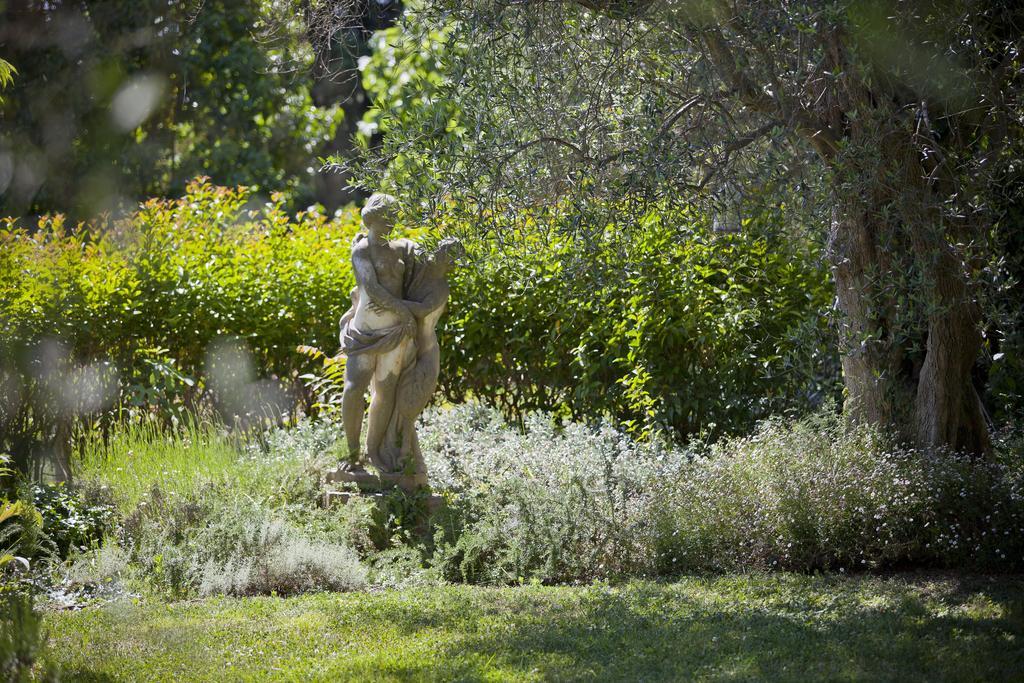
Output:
x,y
759,627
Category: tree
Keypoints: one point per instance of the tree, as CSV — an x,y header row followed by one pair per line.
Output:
x,y
340,43
887,121
118,101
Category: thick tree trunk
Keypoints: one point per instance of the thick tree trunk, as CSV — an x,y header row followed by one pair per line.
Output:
x,y
926,399
948,408
879,389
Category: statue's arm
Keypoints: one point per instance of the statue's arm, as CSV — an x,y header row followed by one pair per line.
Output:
x,y
366,278
431,302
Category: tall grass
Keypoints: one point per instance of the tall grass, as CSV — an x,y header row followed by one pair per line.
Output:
x,y
210,509
139,455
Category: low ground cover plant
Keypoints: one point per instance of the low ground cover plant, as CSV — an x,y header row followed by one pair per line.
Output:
x,y
818,494
203,510
581,503
555,504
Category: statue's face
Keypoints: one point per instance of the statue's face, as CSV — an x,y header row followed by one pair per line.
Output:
x,y
382,224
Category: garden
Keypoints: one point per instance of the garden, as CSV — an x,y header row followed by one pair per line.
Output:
x,y
727,368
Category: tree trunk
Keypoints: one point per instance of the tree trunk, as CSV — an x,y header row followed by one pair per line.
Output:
x,y
879,390
915,384
948,408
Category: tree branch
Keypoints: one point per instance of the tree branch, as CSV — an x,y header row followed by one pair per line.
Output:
x,y
818,133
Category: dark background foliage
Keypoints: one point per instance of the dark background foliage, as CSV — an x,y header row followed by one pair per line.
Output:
x,y
118,101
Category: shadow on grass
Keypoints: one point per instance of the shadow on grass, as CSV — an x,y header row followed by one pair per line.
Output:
x,y
764,628
86,676
962,631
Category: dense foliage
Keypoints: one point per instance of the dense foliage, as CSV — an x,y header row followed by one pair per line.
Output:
x,y
552,505
806,495
95,316
680,329
894,126
118,101
663,324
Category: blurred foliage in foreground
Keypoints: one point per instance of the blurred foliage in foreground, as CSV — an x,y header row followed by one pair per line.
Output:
x,y
676,327
116,101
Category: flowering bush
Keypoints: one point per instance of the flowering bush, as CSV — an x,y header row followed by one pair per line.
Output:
x,y
552,504
817,494
579,503
219,541
586,502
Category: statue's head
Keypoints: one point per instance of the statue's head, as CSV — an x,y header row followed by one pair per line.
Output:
x,y
449,252
379,212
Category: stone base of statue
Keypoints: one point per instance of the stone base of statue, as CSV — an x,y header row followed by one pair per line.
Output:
x,y
341,486
375,481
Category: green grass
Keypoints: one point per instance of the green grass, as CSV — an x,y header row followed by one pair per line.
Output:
x,y
764,628
139,455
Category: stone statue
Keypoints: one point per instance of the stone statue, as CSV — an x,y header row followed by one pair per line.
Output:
x,y
389,339
426,295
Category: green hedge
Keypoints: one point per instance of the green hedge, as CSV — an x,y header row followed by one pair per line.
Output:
x,y
661,323
178,274
139,302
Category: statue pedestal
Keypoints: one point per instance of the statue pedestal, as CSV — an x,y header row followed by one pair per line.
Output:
x,y
372,481
374,485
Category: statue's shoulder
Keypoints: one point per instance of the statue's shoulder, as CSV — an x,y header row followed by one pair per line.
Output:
x,y
360,242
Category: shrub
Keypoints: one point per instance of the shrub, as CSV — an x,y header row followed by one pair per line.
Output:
x,y
97,572
556,505
280,560
225,541
176,275
69,521
128,313
135,314
577,503
805,495
816,494
658,323
403,566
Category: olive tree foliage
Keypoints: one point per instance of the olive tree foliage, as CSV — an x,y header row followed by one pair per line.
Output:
x,y
887,124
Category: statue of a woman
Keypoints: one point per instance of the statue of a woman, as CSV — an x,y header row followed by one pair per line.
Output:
x,y
389,339
378,333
